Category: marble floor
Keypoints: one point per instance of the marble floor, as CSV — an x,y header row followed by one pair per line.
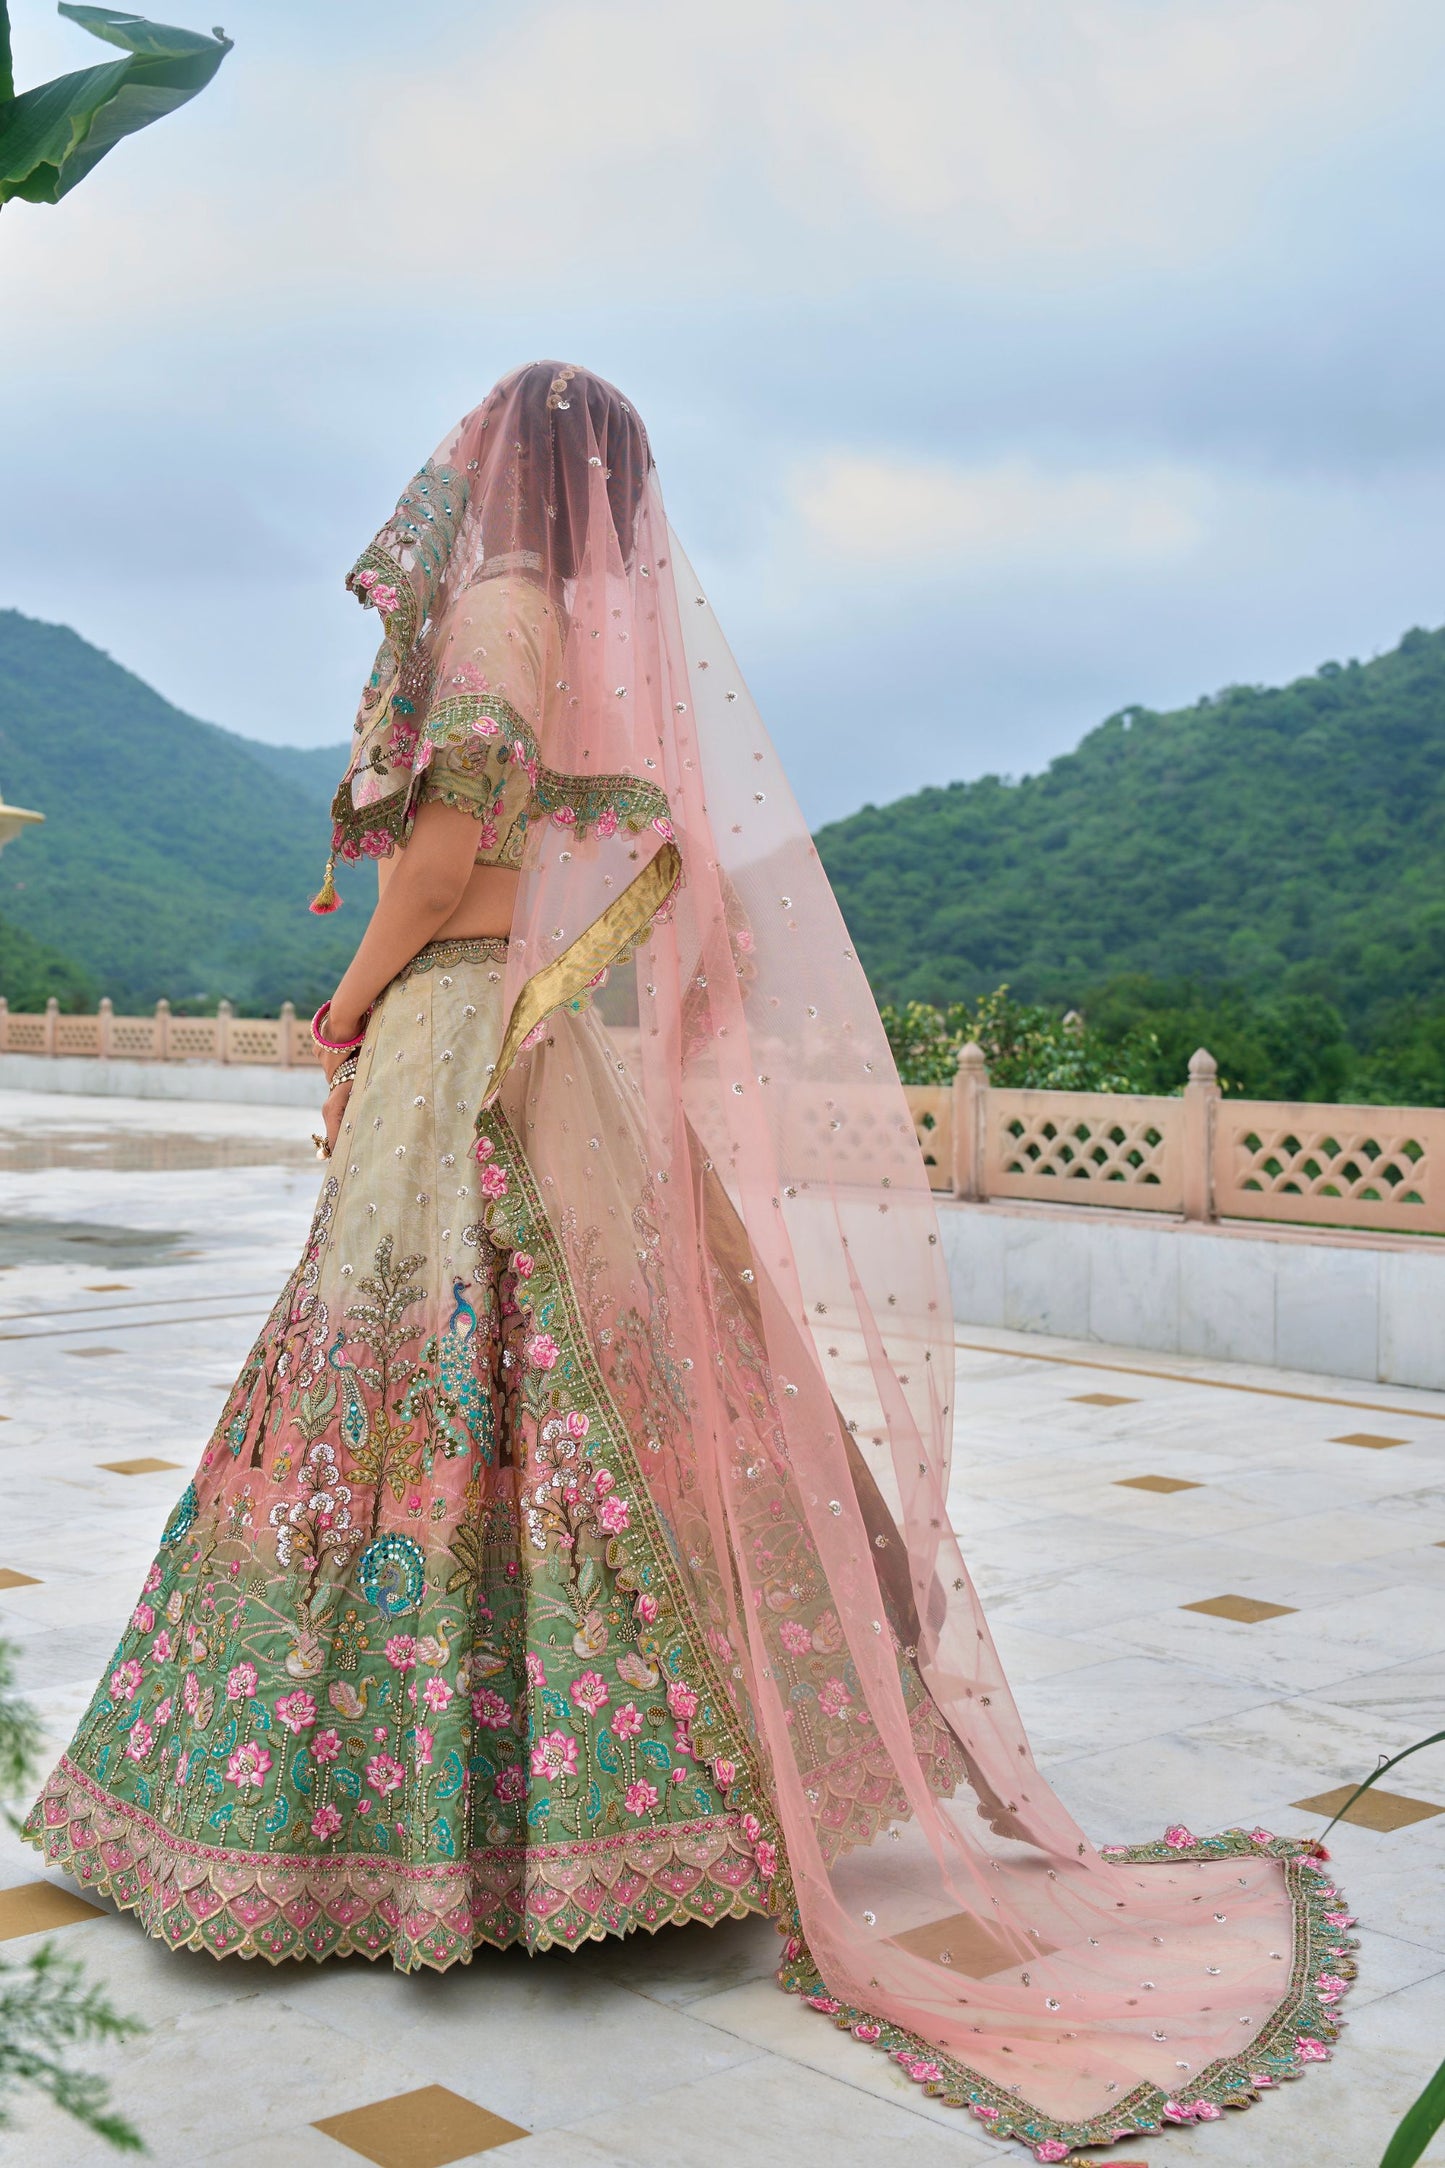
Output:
x,y
141,1243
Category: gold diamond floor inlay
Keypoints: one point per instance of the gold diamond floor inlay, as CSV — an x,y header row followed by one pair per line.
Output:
x,y
1155,1483
424,2129
1104,1400
78,1352
146,1465
9,1578
1374,1810
1245,1610
1369,1438
33,1908
109,1287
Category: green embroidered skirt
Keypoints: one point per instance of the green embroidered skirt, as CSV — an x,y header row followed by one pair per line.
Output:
x,y
377,1694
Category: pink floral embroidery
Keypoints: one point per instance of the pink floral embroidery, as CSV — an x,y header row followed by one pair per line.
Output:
x,y
664,829
143,1618
589,1691
248,1766
366,579
125,1680
325,1823
647,1610
522,1263
385,1774
422,1745
241,1682
795,1637
326,1745
494,1182
613,1516
627,1721
384,597
834,1697
828,2004
555,1755
376,843
541,1351
681,1699
578,1426
867,2030
482,726
401,1652
536,1669
190,1693
164,1710
1340,1919
564,817
296,1711
1051,2149
1311,2051
726,1773
491,1711
163,1648
640,1798
152,1580
1260,1836
752,1828
437,1695
138,1745
510,1784
766,1857
607,821
1330,1986
1178,1838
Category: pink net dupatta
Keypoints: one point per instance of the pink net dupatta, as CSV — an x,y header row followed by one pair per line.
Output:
x,y
703,1128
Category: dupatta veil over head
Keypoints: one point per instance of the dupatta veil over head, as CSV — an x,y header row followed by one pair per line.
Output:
x,y
764,1293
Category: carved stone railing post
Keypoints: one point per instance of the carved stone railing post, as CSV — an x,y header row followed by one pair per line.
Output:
x,y
287,1049
105,1016
970,1102
163,1031
224,1013
1201,1098
52,1024
4,1025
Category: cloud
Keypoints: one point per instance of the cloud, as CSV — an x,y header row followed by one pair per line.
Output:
x,y
1005,516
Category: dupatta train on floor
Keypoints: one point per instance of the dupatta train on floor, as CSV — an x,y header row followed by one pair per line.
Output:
x,y
731,1342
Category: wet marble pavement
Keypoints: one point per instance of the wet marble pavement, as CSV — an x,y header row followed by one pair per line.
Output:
x,y
1219,1591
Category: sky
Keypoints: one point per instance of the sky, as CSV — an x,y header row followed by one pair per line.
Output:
x,y
1007,362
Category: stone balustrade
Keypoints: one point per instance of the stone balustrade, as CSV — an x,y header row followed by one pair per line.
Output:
x,y
266,1041
1201,1156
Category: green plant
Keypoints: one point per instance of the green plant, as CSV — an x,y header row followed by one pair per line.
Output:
x,y
46,2005
1029,1046
51,136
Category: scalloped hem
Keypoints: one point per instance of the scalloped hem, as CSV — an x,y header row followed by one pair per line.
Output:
x,y
1301,2031
429,1916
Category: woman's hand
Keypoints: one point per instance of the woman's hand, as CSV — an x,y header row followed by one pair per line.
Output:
x,y
333,1111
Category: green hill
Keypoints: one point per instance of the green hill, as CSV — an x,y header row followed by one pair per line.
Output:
x,y
1279,842
176,859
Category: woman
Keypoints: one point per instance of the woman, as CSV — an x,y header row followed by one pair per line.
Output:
x,y
572,1553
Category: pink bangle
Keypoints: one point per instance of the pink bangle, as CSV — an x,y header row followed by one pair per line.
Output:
x,y
335,1046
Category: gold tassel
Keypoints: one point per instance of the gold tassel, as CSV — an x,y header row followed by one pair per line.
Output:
x,y
326,898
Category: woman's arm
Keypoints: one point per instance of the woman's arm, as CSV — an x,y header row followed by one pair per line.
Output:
x,y
421,891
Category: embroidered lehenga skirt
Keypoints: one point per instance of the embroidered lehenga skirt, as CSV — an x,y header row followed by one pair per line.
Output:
x,y
399,1678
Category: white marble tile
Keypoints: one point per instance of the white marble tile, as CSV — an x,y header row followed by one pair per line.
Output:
x,y
974,1242
1227,1298
1046,1277
1412,1317
501,2028
1327,1308
1134,1285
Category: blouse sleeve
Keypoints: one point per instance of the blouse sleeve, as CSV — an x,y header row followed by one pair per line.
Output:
x,y
492,655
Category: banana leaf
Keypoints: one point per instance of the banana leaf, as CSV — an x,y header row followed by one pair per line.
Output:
x,y
51,136
1419,2126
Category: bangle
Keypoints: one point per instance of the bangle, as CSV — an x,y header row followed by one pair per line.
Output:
x,y
335,1046
345,1071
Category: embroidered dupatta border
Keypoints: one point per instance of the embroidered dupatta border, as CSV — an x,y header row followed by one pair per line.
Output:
x,y
1301,2029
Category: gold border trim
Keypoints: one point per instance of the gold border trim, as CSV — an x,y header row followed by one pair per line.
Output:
x,y
602,944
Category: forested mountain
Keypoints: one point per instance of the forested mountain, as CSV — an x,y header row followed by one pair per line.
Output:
x,y
1279,842
176,859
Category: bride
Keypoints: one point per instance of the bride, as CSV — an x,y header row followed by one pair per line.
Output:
x,y
572,1553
